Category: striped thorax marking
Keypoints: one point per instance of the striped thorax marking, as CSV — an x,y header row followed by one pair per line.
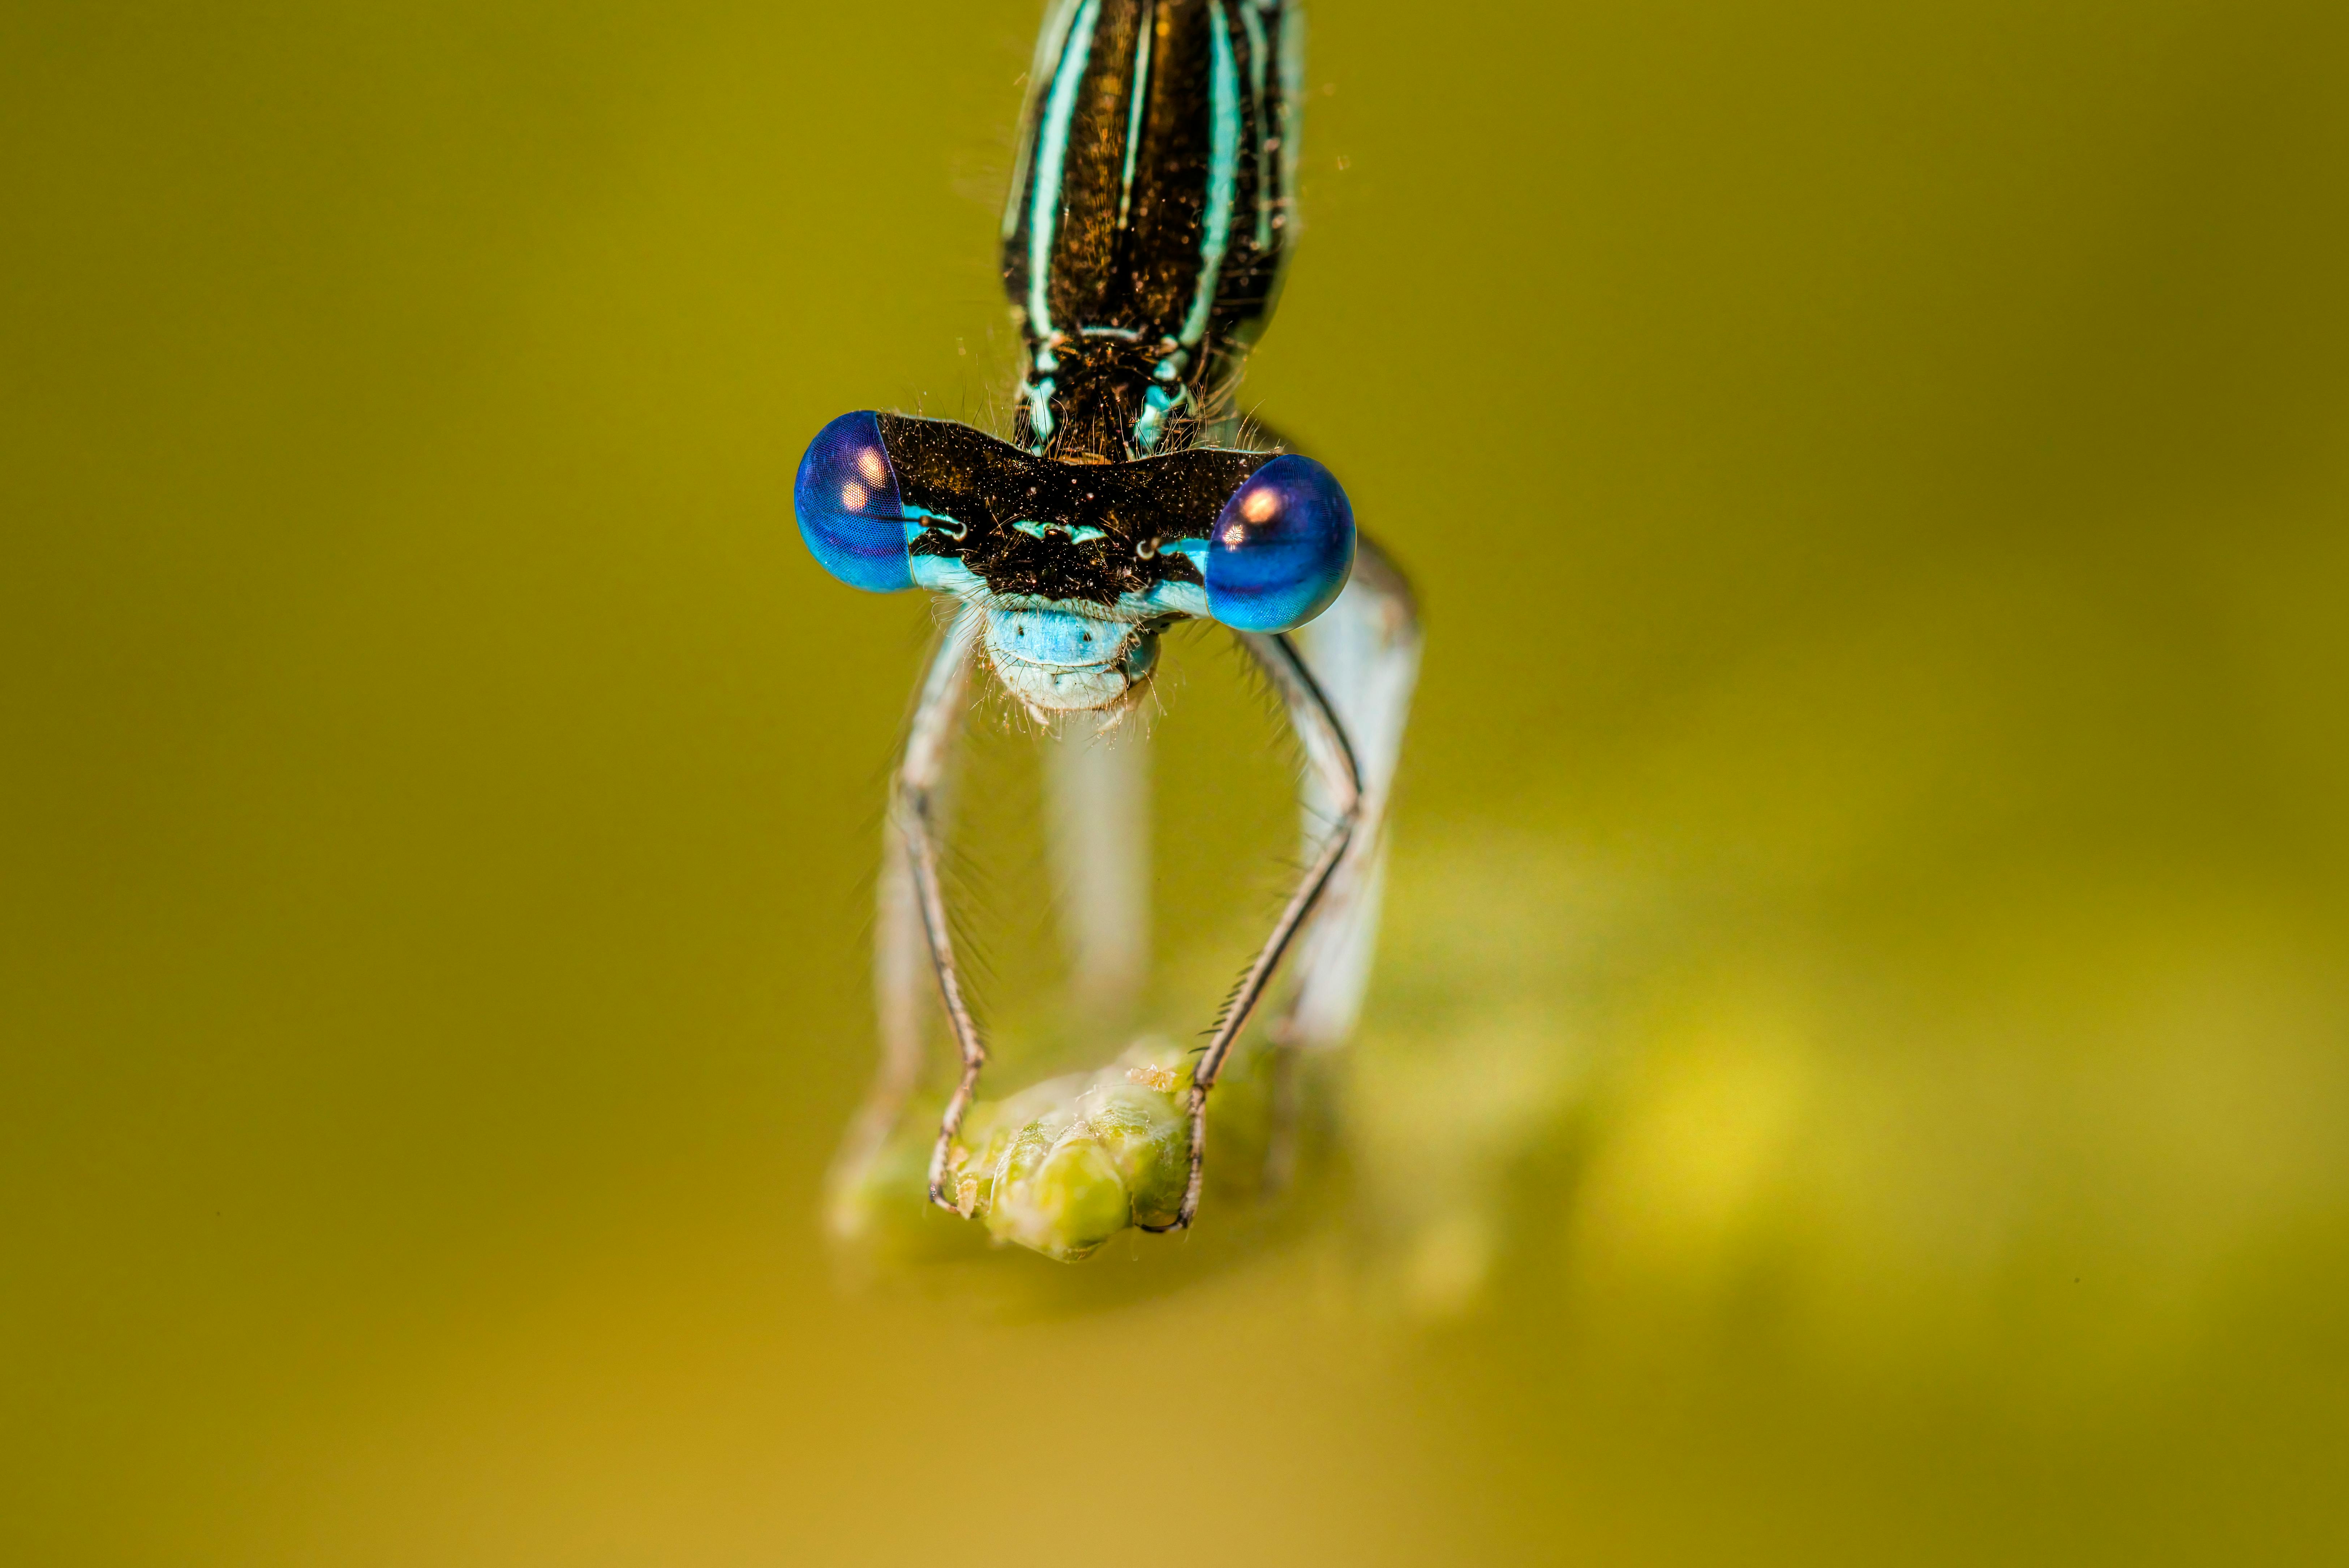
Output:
x,y
1148,222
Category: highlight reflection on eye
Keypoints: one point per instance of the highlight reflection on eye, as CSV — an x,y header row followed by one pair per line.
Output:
x,y
869,464
851,496
1282,548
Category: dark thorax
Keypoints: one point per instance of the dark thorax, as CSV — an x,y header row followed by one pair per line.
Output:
x,y
1149,219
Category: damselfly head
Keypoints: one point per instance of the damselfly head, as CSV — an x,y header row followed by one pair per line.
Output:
x,y
1260,541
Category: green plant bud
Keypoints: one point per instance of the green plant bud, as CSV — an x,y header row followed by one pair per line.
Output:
x,y
1063,1167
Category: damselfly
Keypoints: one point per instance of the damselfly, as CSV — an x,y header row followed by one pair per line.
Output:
x,y
1150,217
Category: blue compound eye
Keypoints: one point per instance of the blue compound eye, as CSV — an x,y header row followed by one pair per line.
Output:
x,y
849,511
1282,548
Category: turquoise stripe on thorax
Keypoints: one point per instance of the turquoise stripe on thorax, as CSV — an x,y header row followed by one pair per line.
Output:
x,y
1052,166
1159,401
1265,135
1137,96
1039,394
1048,43
1223,169
1293,102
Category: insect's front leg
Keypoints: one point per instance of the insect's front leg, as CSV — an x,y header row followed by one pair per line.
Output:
x,y
929,740
1332,756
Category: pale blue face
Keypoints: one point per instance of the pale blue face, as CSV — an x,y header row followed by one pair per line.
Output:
x,y
1072,624
1060,660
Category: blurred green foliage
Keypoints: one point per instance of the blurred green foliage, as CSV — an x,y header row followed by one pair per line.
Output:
x,y
1859,1072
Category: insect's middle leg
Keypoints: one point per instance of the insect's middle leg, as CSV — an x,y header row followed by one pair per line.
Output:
x,y
1364,651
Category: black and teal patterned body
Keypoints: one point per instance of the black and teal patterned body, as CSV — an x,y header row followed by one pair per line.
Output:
x,y
1149,219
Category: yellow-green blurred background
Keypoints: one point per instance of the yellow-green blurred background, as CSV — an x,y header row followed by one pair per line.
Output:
x,y
1859,1075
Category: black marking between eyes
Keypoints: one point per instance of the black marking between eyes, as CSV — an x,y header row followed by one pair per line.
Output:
x,y
987,486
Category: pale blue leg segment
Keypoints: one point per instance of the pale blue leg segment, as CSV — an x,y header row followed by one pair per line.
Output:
x,y
1097,799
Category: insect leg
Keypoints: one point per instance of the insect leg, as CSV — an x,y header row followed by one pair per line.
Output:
x,y
1332,756
1364,652
937,716
900,967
